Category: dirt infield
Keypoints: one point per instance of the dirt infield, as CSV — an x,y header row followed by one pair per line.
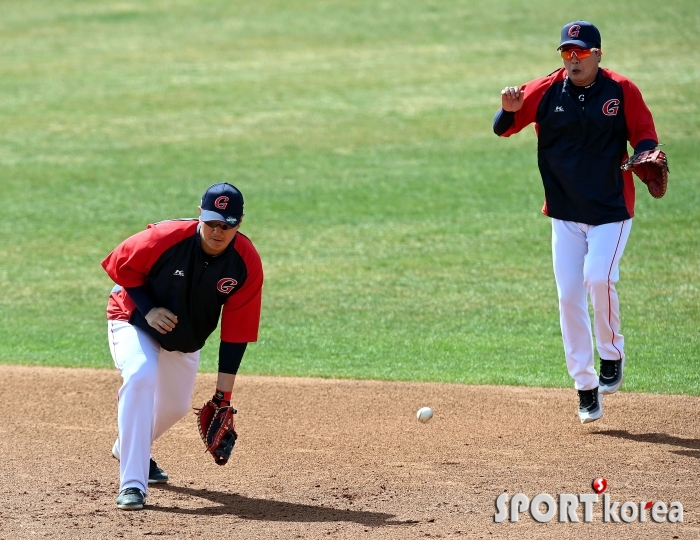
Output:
x,y
342,459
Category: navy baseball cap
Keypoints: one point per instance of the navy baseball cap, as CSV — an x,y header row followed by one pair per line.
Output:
x,y
222,202
581,33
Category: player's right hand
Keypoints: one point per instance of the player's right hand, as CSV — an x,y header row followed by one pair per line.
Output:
x,y
161,319
512,98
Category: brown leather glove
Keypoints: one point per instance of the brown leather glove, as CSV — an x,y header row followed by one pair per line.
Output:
x,y
217,429
652,168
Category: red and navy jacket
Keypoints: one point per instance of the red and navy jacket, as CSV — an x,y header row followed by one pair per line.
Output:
x,y
167,258
580,148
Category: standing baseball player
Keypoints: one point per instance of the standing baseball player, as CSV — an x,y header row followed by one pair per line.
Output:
x,y
174,280
584,116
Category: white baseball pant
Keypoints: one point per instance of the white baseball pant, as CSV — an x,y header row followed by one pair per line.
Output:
x,y
156,393
586,263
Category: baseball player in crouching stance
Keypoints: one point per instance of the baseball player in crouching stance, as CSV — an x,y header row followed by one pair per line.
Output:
x,y
584,115
173,282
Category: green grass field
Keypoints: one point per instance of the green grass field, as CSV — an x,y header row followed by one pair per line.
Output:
x,y
401,239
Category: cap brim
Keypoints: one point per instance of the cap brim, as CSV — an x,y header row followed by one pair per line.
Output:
x,y
208,215
578,43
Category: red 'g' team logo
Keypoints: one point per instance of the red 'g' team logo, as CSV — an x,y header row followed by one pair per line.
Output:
x,y
226,285
611,107
221,202
574,30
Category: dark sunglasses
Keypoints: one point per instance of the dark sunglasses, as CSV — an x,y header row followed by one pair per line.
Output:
x,y
215,224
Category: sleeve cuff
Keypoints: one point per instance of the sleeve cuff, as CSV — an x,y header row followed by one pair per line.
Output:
x,y
230,356
646,144
141,299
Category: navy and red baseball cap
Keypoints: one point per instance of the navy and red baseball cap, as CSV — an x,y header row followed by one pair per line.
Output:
x,y
222,202
580,33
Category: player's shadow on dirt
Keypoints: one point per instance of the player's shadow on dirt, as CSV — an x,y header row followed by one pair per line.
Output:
x,y
271,510
659,438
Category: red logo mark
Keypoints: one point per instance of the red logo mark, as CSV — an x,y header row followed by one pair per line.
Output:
x,y
649,505
599,485
611,107
221,202
226,285
574,30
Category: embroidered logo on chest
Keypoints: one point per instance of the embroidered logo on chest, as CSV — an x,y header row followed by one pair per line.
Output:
x,y
611,107
226,285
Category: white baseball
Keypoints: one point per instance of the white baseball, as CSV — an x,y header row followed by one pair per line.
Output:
x,y
424,414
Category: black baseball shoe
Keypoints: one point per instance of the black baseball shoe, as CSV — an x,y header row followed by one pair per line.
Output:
x,y
590,405
130,498
156,475
611,375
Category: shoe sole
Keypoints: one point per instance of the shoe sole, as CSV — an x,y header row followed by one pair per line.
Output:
x,y
590,418
596,415
130,506
152,481
606,390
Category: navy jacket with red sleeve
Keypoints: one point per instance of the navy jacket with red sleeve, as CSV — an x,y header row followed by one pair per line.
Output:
x,y
167,258
580,149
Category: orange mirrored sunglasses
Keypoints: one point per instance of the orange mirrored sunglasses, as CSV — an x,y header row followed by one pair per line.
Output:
x,y
580,53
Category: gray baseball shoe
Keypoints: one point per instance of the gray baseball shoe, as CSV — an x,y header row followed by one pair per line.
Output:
x,y
130,498
590,407
611,375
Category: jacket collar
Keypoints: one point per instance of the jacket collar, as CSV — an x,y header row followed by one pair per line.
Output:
x,y
571,87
